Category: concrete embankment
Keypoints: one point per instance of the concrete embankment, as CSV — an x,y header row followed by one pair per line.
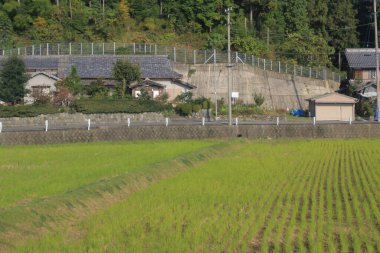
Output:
x,y
280,90
192,132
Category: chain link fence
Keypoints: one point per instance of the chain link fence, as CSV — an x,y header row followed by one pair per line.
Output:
x,y
180,55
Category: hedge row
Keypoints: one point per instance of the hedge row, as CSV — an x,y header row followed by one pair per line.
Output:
x,y
27,110
88,106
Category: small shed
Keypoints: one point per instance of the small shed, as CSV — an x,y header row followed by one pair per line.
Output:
x,y
332,106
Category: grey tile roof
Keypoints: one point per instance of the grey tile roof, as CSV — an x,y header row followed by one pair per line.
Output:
x,y
361,58
155,67
100,66
38,63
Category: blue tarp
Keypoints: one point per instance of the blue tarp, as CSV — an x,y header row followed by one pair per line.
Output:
x,y
297,112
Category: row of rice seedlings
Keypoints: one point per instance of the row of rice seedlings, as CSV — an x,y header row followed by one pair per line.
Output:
x,y
316,196
330,208
370,206
308,214
304,221
288,231
275,225
230,245
364,215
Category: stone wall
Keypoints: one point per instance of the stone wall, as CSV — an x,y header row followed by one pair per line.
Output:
x,y
192,132
65,119
280,90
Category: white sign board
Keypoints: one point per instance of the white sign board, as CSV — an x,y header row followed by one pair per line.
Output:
x,y
235,94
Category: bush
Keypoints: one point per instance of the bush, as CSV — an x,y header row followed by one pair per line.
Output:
x,y
27,110
89,106
197,108
259,99
184,109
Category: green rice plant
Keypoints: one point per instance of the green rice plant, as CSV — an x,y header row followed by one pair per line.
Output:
x,y
260,196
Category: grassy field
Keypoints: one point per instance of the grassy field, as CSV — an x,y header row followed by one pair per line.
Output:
x,y
259,196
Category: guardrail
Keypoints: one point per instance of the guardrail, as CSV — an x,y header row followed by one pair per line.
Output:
x,y
180,55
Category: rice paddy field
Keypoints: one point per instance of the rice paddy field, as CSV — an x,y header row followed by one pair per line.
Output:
x,y
192,196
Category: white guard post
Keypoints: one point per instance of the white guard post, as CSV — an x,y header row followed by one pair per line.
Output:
x,y
236,121
88,124
166,121
1,127
278,121
314,121
46,125
203,121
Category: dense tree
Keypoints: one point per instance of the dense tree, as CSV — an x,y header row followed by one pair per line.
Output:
x,y
73,82
12,80
197,23
125,73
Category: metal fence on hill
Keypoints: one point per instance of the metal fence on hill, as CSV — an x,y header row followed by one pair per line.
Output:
x,y
180,55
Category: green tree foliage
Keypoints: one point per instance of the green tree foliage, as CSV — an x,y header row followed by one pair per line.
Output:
x,y
192,23
96,89
73,82
12,80
125,73
296,16
307,49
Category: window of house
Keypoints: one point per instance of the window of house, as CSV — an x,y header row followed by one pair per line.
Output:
x,y
372,74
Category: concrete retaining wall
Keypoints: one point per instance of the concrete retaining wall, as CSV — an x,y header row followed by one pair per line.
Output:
x,y
192,132
64,119
280,90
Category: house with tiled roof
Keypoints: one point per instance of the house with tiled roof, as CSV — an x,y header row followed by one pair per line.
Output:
x,y
361,63
157,69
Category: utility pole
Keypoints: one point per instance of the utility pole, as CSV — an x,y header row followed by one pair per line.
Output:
x,y
103,10
267,37
229,66
377,62
57,2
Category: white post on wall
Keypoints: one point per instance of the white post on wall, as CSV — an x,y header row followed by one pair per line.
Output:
x,y
203,121
1,127
236,121
278,121
92,48
166,121
350,120
129,122
70,48
114,48
47,48
46,125
18,51
88,124
175,55
314,121
32,50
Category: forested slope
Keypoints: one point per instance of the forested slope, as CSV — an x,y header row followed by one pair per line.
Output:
x,y
307,32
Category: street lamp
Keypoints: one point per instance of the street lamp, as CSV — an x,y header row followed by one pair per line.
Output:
x,y
229,66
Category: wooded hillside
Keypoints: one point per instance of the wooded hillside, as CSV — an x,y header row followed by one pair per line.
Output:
x,y
307,32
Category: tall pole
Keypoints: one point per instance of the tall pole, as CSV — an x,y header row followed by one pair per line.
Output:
x,y
377,62
229,66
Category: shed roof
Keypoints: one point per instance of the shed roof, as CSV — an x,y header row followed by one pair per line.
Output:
x,y
361,58
45,74
146,82
333,98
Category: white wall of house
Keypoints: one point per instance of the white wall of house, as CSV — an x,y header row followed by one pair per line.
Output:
x,y
39,83
172,88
